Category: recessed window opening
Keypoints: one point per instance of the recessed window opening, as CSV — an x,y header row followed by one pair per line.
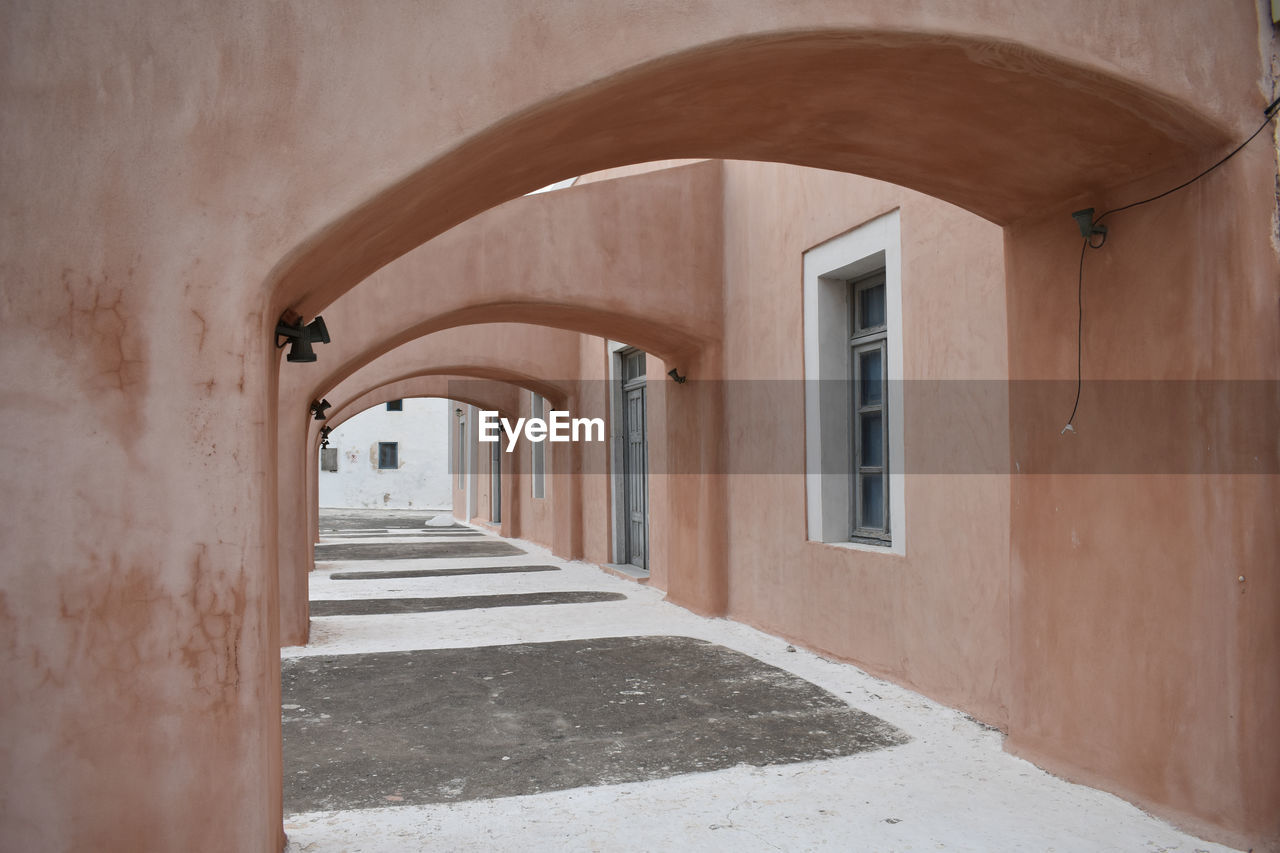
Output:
x,y
388,455
853,411
328,459
459,461
630,452
538,462
395,405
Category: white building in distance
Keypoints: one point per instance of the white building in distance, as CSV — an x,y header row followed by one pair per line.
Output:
x,y
394,456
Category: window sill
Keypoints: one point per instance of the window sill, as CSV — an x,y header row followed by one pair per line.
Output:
x,y
626,570
885,549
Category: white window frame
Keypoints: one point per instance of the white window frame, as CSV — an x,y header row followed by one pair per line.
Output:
x,y
538,457
617,451
829,426
460,459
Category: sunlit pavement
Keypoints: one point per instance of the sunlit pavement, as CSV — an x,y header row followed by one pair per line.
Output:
x,y
482,748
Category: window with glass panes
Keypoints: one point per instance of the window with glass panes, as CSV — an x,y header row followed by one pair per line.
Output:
x,y
538,462
869,362
459,466
388,454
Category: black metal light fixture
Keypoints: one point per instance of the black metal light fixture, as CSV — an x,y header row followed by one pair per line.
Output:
x,y
324,435
301,337
318,409
674,373
1084,221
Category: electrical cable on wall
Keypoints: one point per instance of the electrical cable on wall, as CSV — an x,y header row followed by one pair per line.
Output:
x,y
1091,228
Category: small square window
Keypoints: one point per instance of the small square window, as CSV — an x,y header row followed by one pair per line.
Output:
x,y
395,405
871,306
633,366
388,454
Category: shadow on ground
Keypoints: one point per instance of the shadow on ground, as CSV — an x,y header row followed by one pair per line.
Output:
x,y
385,606
435,550
440,573
461,724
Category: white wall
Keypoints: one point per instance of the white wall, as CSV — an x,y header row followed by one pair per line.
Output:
x,y
421,481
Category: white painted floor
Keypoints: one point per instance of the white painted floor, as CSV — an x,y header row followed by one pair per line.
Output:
x,y
951,788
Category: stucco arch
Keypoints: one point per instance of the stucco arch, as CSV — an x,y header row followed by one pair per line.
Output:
x,y
194,147
489,394
585,260
484,386
540,358
916,108
526,356
483,393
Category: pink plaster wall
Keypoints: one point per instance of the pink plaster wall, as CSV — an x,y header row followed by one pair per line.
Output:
x,y
936,619
948,619
1144,664
593,400
187,171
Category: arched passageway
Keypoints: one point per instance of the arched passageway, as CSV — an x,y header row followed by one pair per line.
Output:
x,y
205,152
520,361
922,116
582,260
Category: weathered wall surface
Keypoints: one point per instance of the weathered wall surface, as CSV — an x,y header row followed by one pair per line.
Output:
x,y
177,174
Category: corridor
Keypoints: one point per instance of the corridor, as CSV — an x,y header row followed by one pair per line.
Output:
x,y
467,692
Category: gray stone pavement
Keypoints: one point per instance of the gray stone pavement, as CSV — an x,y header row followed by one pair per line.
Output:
x,y
626,724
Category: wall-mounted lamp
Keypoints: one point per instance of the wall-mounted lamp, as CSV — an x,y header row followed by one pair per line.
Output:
x,y
1084,221
458,413
318,409
674,373
324,435
290,328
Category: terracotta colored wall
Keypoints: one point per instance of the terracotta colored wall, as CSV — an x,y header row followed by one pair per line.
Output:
x,y
542,259
536,514
936,619
591,484
535,259
939,619
593,401
186,172
1143,664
